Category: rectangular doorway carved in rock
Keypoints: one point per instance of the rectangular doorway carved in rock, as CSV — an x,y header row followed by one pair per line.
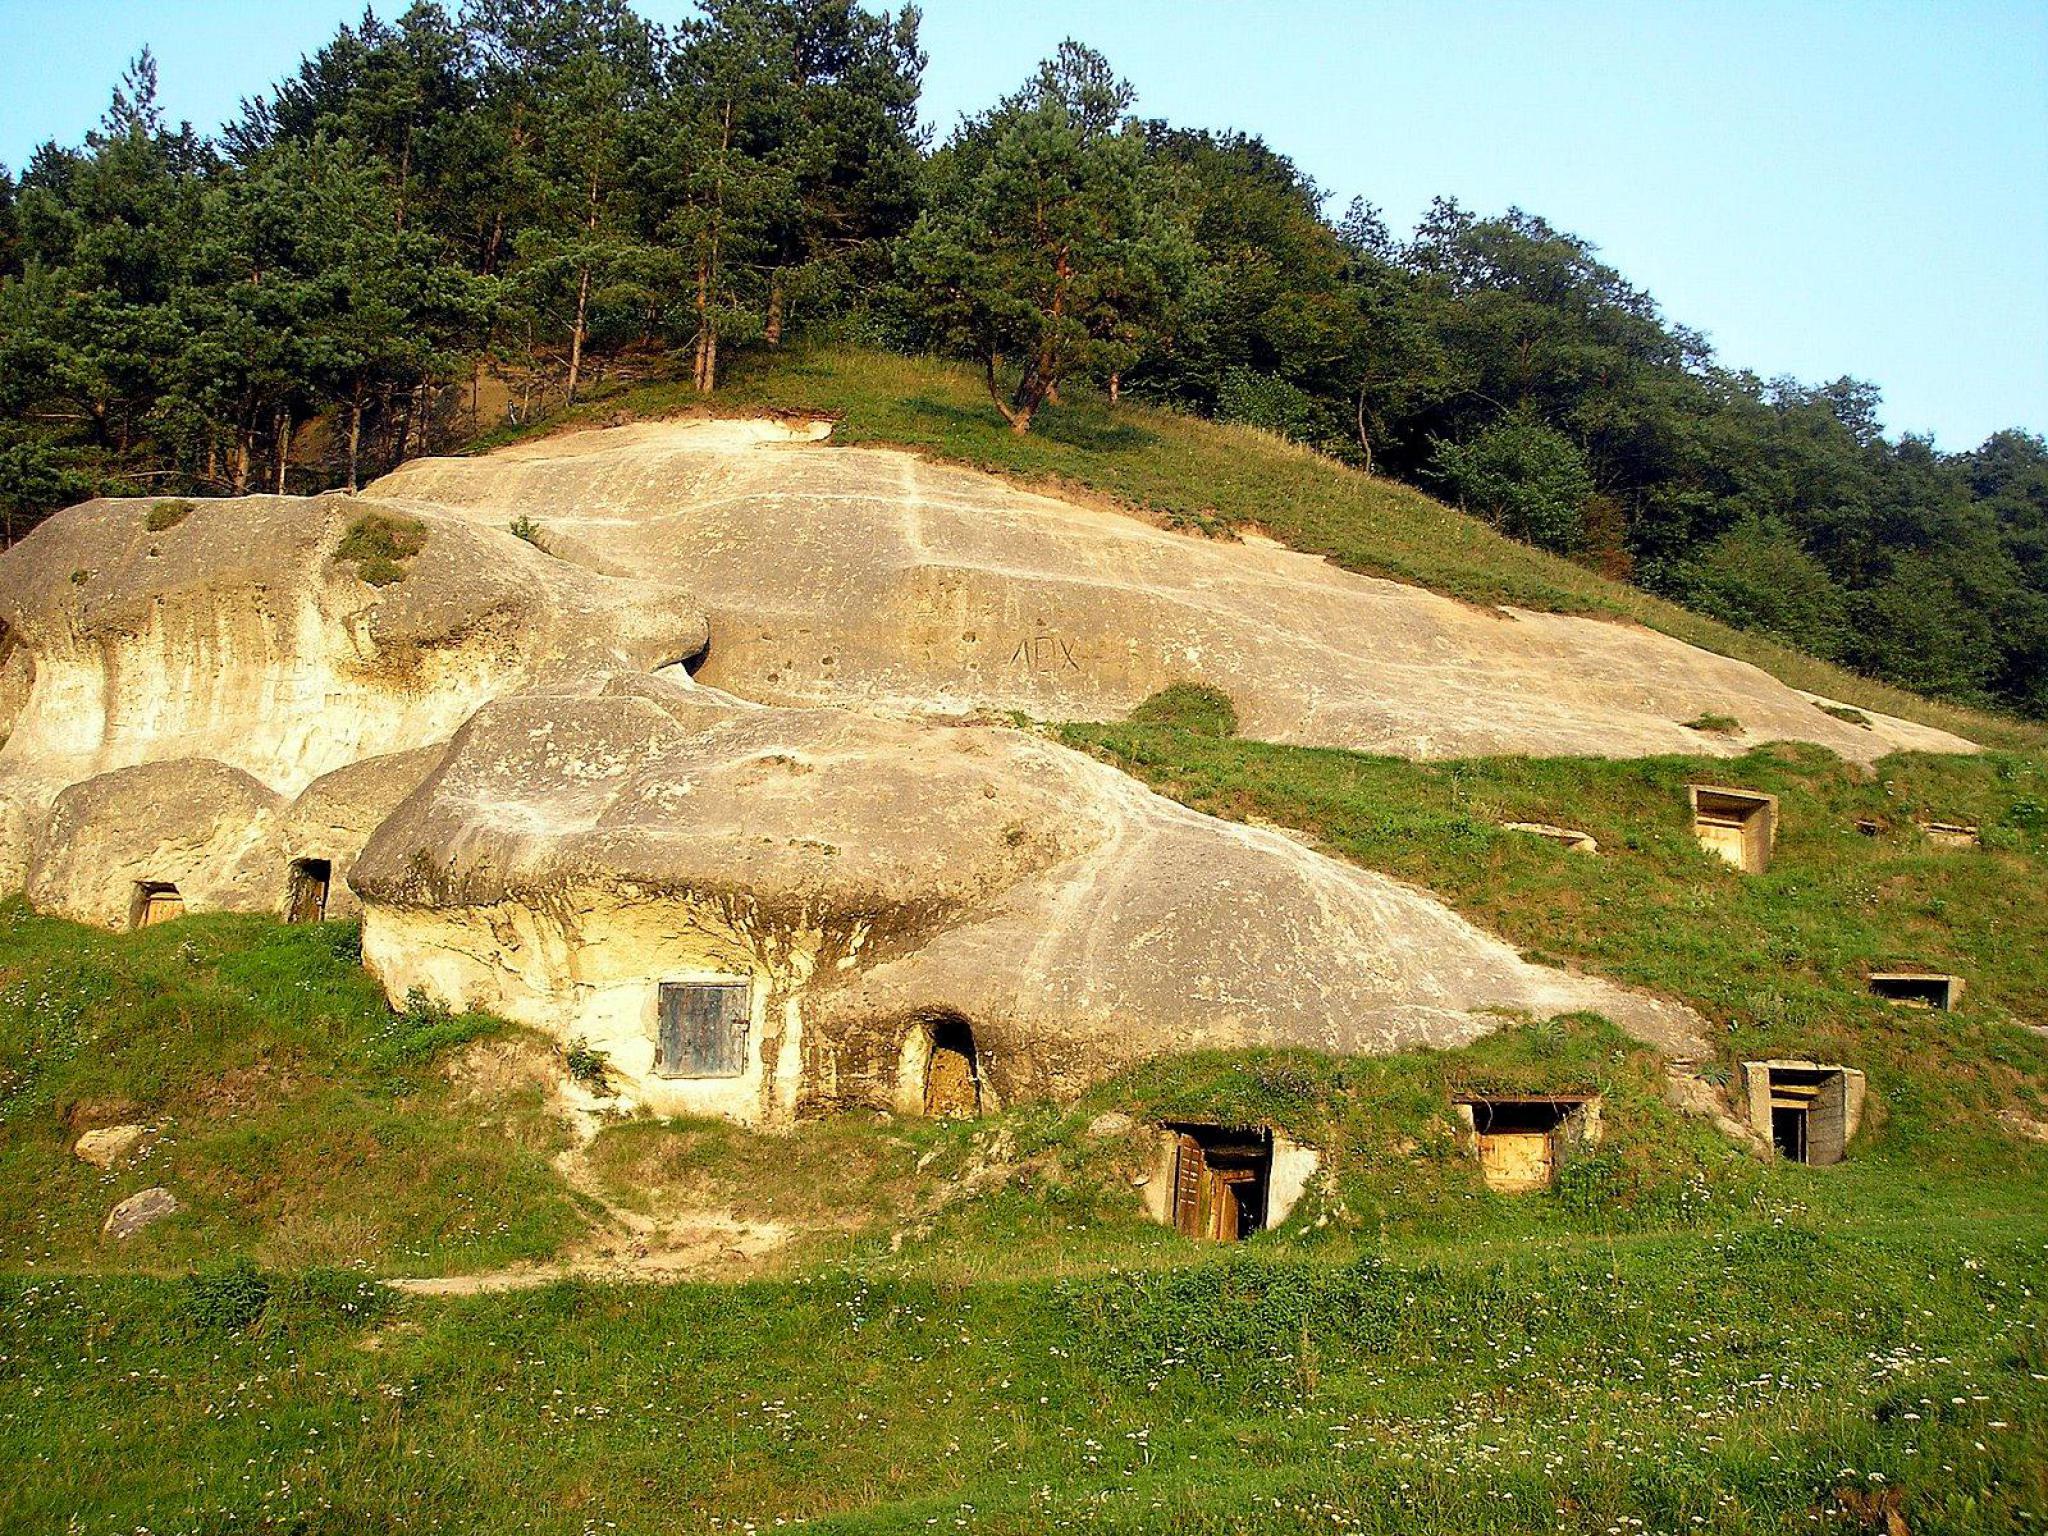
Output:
x,y
952,1074
306,897
1517,1138
1808,1112
1917,989
702,1028
1739,825
155,901
1220,1180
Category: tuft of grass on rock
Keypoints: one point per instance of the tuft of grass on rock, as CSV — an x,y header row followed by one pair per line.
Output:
x,y
167,514
1192,707
1714,725
380,544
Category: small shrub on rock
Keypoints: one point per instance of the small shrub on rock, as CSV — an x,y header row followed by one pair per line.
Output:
x,y
588,1065
167,514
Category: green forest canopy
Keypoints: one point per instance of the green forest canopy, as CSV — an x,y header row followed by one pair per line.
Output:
x,y
456,217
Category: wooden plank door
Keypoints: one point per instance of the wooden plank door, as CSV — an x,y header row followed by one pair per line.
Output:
x,y
1190,1179
703,1028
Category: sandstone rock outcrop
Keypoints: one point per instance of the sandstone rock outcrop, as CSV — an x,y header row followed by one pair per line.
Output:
x,y
239,637
223,840
870,576
335,814
865,878
796,881
205,828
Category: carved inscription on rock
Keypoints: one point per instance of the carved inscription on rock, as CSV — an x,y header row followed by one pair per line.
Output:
x,y
1044,652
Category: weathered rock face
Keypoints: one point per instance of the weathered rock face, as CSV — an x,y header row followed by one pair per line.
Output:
x,y
238,634
239,638
839,576
139,1211
762,910
218,838
866,881
208,830
335,815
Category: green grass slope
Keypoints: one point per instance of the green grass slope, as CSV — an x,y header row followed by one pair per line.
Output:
x,y
972,1327
298,1119
1781,1378
986,1335
1778,960
1212,476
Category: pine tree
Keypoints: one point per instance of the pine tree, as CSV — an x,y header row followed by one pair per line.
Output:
x,y
1046,241
570,82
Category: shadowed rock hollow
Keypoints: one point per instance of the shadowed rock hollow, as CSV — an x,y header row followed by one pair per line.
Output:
x,y
861,575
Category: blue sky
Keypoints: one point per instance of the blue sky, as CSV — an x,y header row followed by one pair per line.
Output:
x,y
1822,186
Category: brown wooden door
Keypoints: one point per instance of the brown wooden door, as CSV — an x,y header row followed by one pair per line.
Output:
x,y
949,1086
160,907
1190,1179
1226,1208
309,891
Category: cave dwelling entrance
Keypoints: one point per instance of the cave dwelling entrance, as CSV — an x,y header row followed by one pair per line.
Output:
x,y
155,901
1738,825
1221,1179
1516,1137
1809,1113
952,1072
1917,989
306,890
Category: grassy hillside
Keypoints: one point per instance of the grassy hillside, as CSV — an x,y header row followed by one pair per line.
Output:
x,y
969,1326
973,1327
1207,475
300,1121
1781,1378
1778,959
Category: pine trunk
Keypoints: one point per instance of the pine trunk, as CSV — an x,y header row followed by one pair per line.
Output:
x,y
700,365
355,437
576,336
1017,413
1364,437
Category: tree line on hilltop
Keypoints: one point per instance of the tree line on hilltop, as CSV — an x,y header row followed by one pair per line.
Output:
x,y
463,216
